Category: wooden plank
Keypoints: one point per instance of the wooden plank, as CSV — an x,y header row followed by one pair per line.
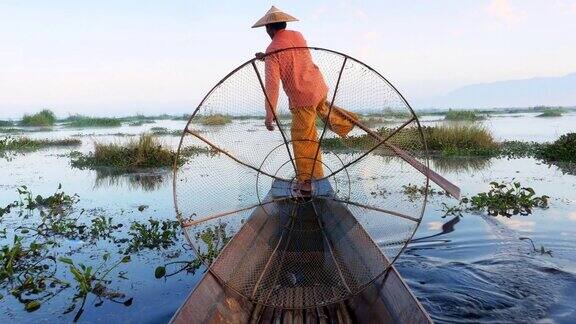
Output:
x,y
211,302
387,300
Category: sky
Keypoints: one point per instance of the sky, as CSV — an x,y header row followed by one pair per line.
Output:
x,y
117,58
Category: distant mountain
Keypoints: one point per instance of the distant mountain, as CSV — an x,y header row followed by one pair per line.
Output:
x,y
547,91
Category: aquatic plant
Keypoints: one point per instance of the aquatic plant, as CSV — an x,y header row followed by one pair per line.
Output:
x,y
29,144
462,115
29,269
461,140
415,192
215,120
155,234
43,118
505,199
213,238
145,152
563,149
85,121
102,227
160,131
13,130
93,280
518,149
551,112
192,150
452,140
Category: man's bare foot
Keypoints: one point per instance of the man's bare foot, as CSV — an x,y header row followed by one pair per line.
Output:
x,y
303,188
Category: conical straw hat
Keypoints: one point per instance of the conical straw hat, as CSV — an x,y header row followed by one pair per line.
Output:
x,y
274,15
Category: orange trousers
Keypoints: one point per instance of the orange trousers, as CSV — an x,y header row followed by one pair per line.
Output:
x,y
305,136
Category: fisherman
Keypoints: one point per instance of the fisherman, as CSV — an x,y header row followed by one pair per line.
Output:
x,y
307,92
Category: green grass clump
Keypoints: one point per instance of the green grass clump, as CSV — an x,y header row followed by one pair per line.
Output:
x,y
29,144
461,140
563,149
453,140
43,118
465,115
215,120
551,113
145,152
84,121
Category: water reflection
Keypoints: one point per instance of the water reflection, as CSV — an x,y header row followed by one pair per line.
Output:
x,y
460,164
564,167
147,181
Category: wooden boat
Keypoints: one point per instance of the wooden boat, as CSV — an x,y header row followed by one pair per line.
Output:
x,y
274,252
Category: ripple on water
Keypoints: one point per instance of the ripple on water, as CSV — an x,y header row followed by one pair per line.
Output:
x,y
509,284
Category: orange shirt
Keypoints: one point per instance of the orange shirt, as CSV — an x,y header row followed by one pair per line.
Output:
x,y
301,78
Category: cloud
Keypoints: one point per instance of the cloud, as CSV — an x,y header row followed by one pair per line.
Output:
x,y
435,226
503,12
572,216
519,224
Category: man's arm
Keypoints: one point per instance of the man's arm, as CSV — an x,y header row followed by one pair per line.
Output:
x,y
272,88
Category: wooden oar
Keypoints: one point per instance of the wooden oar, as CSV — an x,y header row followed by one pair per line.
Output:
x,y
450,188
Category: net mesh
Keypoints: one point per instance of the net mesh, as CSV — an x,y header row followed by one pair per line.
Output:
x,y
239,190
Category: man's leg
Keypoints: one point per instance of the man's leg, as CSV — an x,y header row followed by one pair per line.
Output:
x,y
305,144
337,123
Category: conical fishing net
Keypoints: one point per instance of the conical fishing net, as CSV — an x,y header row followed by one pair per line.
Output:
x,y
238,187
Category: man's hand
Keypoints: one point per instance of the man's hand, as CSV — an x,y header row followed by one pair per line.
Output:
x,y
260,56
269,123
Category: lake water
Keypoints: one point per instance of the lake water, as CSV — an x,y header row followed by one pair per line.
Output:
x,y
464,269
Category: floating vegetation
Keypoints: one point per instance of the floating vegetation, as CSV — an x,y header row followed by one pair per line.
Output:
x,y
213,239
563,149
28,144
161,131
461,140
504,199
141,122
415,192
148,119
85,121
155,234
31,261
551,112
215,120
463,115
145,152
93,280
518,149
43,118
13,130
193,150
453,140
